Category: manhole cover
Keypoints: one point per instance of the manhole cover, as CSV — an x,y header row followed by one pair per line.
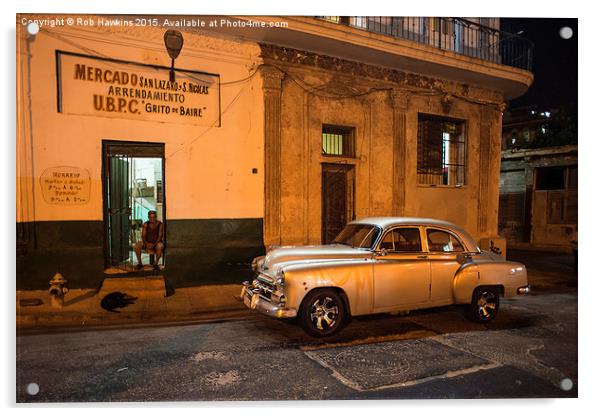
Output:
x,y
373,366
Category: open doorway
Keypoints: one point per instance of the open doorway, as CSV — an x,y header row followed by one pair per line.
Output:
x,y
133,186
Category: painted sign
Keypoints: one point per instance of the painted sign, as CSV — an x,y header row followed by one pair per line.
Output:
x,y
111,88
65,185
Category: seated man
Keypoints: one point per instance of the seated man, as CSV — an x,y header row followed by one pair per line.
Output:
x,y
152,240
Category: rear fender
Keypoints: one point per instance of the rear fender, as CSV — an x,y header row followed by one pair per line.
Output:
x,y
466,279
508,276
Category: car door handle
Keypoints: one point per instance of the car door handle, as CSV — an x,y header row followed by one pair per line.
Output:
x,y
422,256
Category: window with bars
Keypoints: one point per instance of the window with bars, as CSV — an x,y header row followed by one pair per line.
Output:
x,y
338,141
441,151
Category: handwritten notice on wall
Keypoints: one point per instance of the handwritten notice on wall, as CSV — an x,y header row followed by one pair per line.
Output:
x,y
65,185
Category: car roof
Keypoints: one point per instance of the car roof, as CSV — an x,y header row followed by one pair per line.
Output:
x,y
385,222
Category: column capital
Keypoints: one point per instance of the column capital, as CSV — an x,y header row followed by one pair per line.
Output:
x,y
399,99
492,111
272,77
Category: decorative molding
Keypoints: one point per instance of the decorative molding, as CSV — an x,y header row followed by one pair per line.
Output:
x,y
272,78
272,89
357,71
400,101
489,153
484,146
446,103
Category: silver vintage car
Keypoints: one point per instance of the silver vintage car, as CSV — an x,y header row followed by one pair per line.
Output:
x,y
378,265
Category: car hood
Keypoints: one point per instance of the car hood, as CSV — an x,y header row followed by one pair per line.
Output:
x,y
303,254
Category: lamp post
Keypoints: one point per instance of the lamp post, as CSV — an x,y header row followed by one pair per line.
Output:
x,y
173,43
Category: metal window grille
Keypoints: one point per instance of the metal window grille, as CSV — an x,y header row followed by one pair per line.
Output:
x,y
338,141
441,151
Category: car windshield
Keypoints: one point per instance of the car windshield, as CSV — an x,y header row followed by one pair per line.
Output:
x,y
358,235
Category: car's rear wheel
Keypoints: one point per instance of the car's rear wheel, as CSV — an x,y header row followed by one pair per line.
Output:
x,y
322,313
485,304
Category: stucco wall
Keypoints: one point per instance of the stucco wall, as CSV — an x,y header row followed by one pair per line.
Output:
x,y
214,200
208,169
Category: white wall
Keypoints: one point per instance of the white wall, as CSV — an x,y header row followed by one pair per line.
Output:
x,y
208,169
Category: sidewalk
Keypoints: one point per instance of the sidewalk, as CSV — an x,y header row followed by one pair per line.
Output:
x,y
82,308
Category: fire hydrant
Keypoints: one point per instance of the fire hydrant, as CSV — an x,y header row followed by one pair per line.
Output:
x,y
57,290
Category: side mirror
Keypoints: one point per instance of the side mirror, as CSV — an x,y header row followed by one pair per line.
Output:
x,y
381,252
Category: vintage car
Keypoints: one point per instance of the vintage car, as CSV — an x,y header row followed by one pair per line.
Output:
x,y
378,265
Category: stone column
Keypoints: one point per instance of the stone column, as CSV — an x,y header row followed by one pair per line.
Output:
x,y
489,178
484,150
272,90
399,100
495,155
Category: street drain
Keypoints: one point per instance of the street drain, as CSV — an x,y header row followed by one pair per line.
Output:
x,y
396,363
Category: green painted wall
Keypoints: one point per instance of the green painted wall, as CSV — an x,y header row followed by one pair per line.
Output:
x,y
198,252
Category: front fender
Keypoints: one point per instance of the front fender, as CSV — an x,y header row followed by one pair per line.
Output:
x,y
354,278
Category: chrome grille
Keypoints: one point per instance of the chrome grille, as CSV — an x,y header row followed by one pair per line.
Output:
x,y
264,290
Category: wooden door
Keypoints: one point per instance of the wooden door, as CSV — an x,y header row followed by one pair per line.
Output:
x,y
337,199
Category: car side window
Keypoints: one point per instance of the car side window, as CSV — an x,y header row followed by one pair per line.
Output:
x,y
443,241
402,240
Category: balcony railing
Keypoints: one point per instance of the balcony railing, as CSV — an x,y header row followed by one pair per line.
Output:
x,y
449,33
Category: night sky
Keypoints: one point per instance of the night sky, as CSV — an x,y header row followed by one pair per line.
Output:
x,y
554,61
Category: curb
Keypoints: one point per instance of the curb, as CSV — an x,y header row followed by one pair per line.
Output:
x,y
77,321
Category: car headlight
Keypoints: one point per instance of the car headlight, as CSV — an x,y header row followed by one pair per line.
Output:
x,y
257,263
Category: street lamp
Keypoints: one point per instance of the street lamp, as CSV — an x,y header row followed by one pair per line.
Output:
x,y
173,43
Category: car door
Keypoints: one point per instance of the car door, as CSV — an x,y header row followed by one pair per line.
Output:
x,y
443,249
402,274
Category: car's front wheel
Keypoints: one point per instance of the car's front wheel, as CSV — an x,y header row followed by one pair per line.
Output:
x,y
322,313
485,304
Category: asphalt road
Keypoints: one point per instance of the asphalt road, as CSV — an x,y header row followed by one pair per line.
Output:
x,y
530,350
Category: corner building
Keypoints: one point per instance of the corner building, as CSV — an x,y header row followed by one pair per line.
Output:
x,y
272,134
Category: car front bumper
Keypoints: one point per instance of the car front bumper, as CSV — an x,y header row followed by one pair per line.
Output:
x,y
256,301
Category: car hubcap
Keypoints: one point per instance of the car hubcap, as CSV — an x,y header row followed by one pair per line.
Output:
x,y
486,304
324,313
